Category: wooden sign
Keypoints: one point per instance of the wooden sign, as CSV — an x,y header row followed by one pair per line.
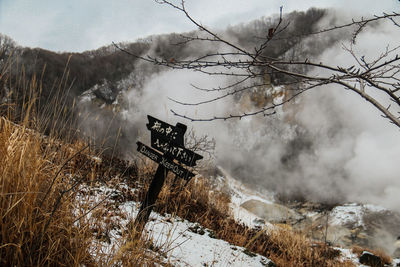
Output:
x,y
167,146
165,162
174,150
172,133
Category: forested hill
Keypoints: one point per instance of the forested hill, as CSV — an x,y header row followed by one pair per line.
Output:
x,y
106,73
110,64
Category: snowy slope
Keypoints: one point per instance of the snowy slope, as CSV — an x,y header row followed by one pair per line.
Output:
x,y
183,243
188,244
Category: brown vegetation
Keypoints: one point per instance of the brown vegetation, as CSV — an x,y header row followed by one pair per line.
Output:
x,y
198,202
40,178
37,176
36,204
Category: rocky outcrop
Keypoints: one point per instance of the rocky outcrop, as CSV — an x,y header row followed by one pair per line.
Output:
x,y
272,212
370,259
106,91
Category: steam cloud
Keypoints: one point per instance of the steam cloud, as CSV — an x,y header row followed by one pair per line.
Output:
x,y
335,147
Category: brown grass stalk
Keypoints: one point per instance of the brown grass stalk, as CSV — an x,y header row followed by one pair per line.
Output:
x,y
29,236
199,202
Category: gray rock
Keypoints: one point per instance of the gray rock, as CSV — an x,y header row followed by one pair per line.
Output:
x,y
273,213
370,259
107,92
268,263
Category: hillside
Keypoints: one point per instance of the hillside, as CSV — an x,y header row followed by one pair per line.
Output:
x,y
63,205
108,71
285,190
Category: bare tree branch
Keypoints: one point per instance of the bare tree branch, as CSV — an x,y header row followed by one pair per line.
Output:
x,y
250,66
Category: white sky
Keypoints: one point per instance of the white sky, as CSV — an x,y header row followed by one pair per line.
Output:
x,y
78,25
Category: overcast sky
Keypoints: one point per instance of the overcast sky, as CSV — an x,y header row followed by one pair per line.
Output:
x,y
78,25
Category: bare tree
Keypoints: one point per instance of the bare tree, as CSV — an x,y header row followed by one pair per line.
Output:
x,y
366,77
6,46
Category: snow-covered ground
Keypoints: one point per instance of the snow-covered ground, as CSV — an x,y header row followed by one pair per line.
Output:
x,y
240,194
188,244
183,243
352,213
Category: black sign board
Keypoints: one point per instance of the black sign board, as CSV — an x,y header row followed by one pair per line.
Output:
x,y
173,134
173,150
167,145
165,162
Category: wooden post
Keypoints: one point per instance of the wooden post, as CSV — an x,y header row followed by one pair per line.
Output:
x,y
150,198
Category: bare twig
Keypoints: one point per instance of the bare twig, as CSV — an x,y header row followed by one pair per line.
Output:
x,y
367,76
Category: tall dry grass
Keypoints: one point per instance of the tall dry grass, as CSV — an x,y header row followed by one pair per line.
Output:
x,y
36,207
43,163
37,182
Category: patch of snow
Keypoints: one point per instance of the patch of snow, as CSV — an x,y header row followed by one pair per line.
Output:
x,y
352,213
263,200
347,214
240,194
348,255
182,242
187,247
312,214
88,95
86,98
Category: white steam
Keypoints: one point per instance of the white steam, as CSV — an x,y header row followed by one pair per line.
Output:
x,y
334,147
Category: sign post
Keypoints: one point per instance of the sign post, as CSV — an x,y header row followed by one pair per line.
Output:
x,y
168,150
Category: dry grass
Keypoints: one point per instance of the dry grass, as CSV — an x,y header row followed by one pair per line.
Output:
x,y
288,248
39,177
197,201
43,224
137,252
37,182
36,204
24,100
